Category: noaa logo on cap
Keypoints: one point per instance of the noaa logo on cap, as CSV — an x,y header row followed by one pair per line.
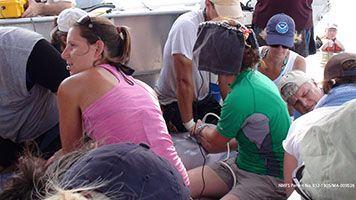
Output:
x,y
282,27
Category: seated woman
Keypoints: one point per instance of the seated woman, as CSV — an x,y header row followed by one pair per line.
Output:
x,y
331,44
62,24
253,115
277,57
101,100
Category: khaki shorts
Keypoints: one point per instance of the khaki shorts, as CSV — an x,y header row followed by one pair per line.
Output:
x,y
249,185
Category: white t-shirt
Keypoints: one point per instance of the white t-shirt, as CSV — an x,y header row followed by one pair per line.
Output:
x,y
181,40
300,126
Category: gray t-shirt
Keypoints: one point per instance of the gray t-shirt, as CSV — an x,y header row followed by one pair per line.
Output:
x,y
24,114
181,40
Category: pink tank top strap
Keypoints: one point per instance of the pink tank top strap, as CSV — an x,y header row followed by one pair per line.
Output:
x,y
111,69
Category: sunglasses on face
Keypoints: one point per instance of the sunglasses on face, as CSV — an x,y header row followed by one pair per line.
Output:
x,y
278,45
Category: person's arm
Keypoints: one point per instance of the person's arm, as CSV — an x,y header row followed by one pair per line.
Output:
x,y
45,67
70,125
338,43
300,64
213,141
224,82
327,43
290,164
185,86
35,9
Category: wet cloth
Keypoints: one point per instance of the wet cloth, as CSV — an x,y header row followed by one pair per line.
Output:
x,y
130,113
127,171
219,47
212,55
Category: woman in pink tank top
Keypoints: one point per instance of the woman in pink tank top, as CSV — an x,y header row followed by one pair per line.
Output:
x,y
101,99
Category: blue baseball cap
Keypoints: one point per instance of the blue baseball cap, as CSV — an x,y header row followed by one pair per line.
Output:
x,y
280,30
127,171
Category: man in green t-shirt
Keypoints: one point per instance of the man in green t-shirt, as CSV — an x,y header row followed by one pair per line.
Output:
x,y
256,116
254,119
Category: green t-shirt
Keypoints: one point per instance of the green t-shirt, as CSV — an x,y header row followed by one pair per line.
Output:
x,y
255,114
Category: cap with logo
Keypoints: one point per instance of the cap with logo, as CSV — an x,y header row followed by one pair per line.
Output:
x,y
280,30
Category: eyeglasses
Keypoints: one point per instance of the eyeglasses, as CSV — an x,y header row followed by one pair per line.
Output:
x,y
278,45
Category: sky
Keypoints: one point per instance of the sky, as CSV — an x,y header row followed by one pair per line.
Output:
x,y
343,13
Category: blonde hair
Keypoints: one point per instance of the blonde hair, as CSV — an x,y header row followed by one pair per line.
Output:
x,y
83,193
298,37
57,189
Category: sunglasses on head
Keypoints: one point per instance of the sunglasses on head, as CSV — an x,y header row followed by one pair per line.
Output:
x,y
278,45
86,21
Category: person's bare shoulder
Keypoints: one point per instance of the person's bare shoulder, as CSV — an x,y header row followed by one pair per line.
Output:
x,y
300,63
